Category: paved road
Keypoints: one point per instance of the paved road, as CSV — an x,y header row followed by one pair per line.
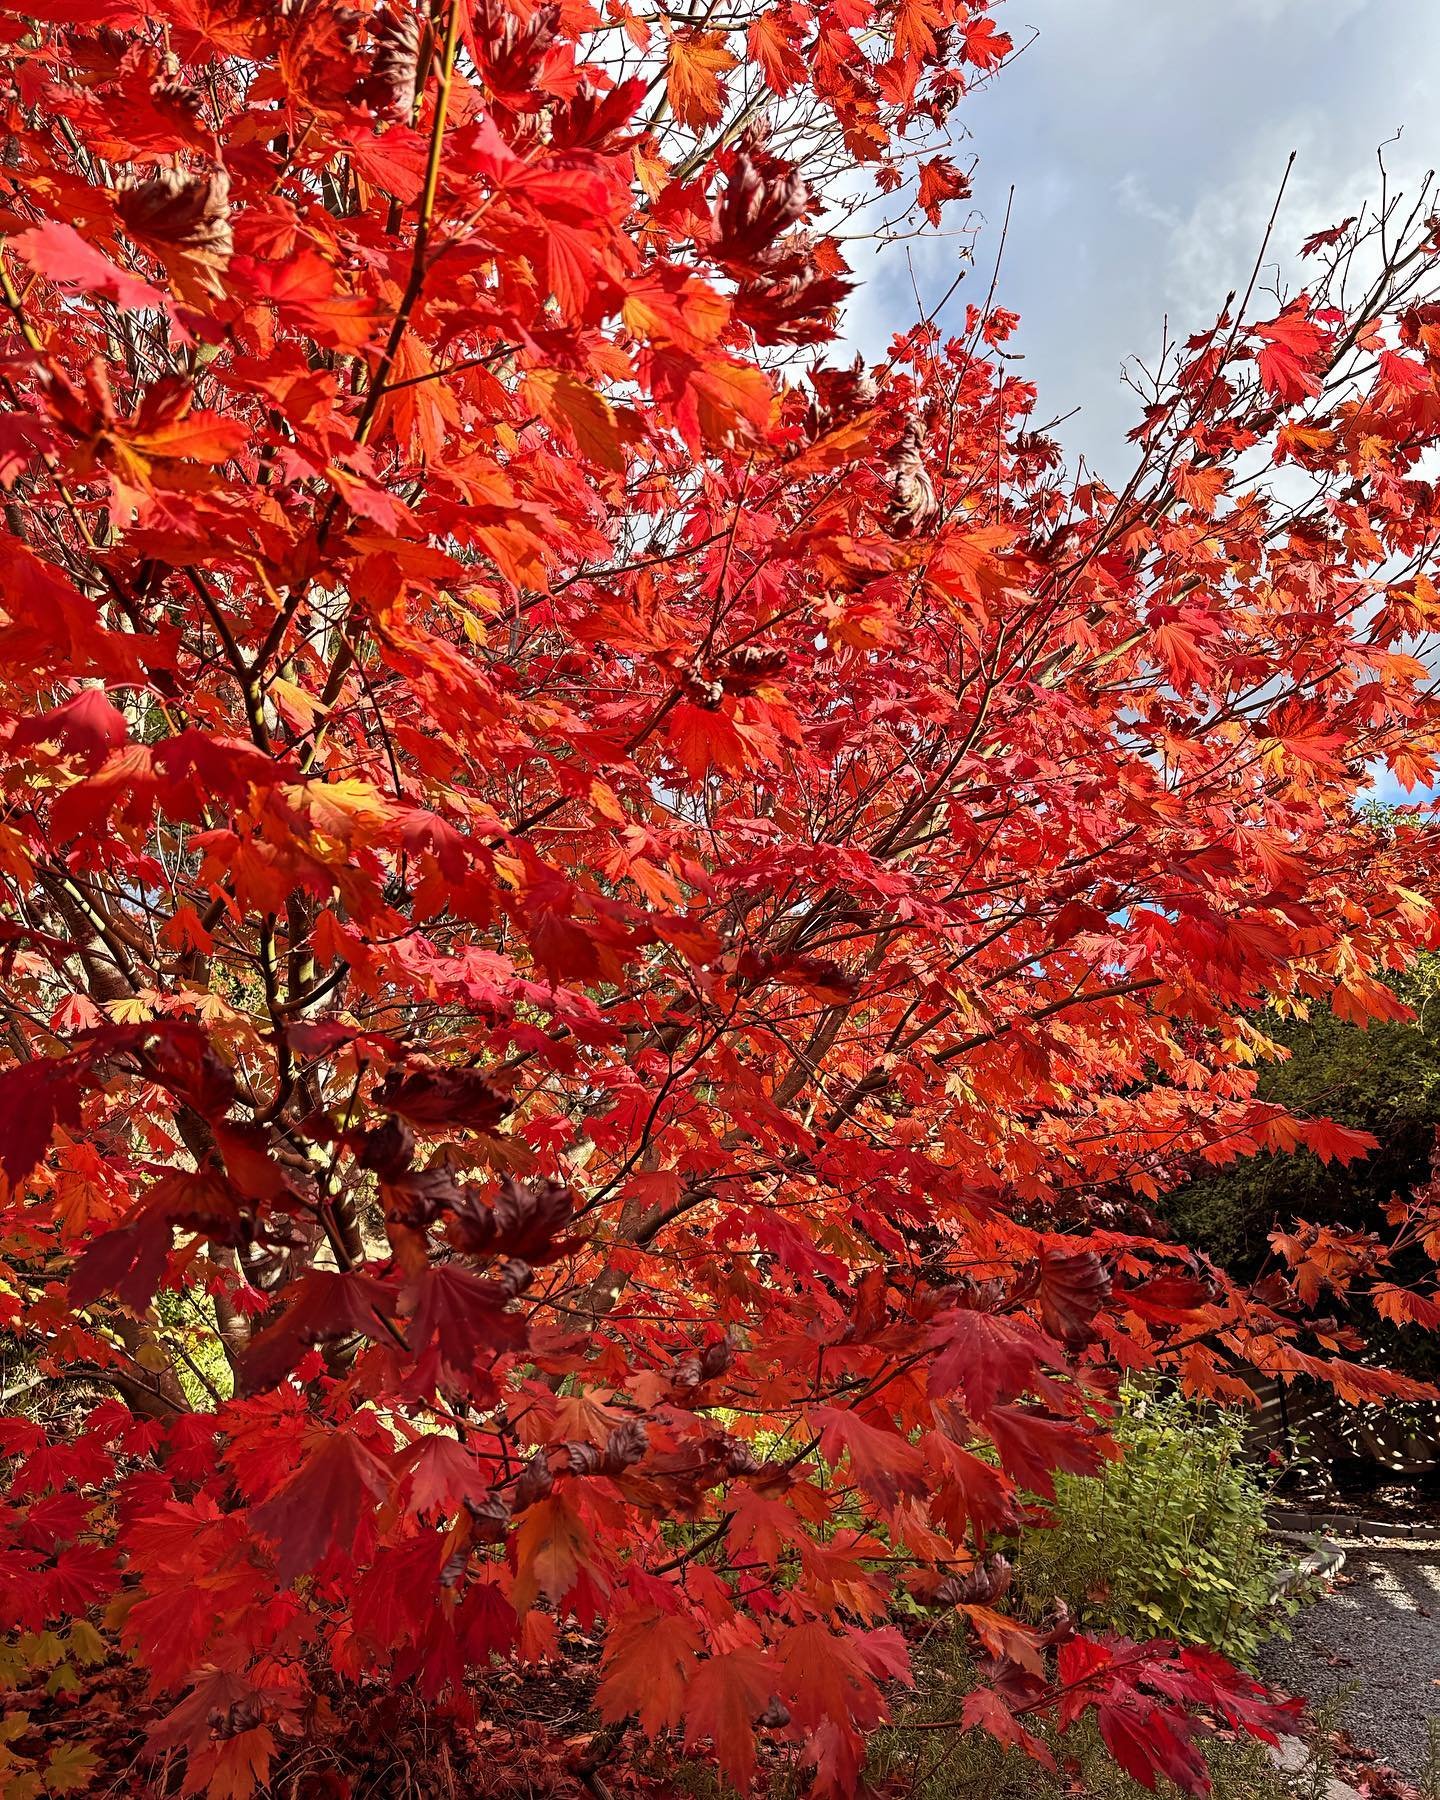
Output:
x,y
1378,1634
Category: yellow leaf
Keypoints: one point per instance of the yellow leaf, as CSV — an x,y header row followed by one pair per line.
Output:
x,y
132,1010
70,1768
340,808
42,1649
86,1644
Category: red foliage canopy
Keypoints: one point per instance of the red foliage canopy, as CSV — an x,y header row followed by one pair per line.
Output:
x,y
626,919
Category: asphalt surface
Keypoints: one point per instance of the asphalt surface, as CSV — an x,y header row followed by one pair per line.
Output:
x,y
1374,1640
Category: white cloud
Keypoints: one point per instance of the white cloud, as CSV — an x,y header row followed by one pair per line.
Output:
x,y
1145,141
1323,15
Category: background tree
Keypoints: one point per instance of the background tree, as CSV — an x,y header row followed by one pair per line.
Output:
x,y
1383,1080
613,926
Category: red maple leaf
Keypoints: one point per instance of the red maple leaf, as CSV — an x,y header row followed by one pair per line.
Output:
x,y
1291,361
320,1507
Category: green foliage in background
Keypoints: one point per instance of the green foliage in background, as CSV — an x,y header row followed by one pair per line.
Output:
x,y
186,1326
1385,1080
1170,1541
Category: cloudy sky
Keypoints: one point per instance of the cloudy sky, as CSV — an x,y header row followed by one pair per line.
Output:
x,y
1145,141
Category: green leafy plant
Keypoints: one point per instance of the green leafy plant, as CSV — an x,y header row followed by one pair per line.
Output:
x,y
1171,1540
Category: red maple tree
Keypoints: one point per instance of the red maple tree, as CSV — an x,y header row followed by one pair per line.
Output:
x,y
624,917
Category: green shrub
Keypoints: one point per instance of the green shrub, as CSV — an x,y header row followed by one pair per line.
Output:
x,y
187,1328
1170,1541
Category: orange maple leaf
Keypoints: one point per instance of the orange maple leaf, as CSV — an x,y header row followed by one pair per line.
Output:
x,y
697,61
